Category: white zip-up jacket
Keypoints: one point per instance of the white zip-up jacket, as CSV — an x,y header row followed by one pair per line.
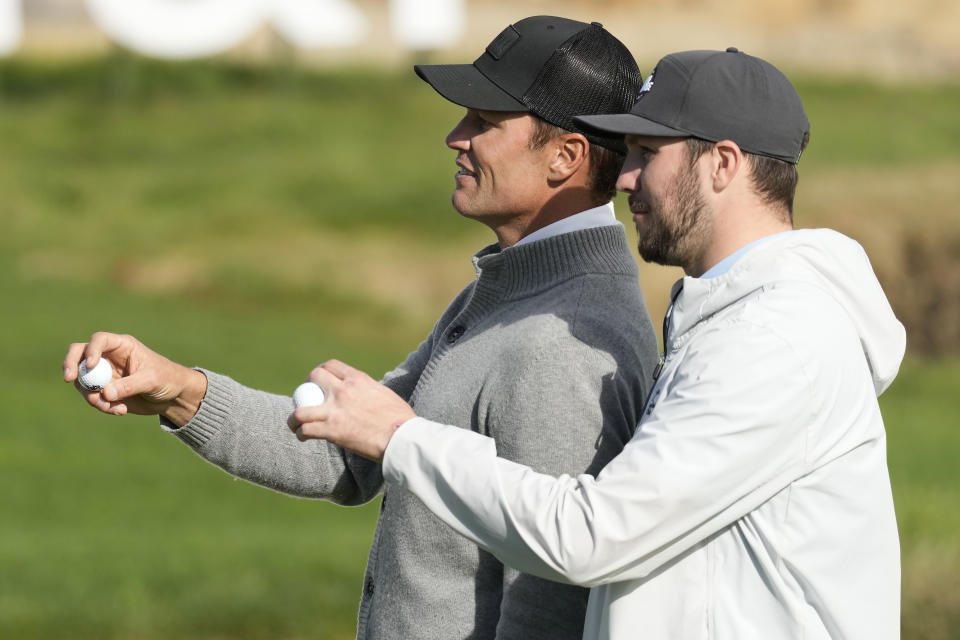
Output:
x,y
754,500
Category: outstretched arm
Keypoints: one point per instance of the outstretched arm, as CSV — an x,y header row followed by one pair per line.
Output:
x,y
241,430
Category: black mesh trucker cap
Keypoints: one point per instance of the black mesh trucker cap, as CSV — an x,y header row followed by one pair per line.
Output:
x,y
552,67
716,95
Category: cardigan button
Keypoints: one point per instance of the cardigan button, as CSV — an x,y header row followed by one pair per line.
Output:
x,y
369,587
456,333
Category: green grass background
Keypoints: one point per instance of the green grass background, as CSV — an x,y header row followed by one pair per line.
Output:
x,y
258,221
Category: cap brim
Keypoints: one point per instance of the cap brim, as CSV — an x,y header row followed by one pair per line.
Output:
x,y
630,124
463,84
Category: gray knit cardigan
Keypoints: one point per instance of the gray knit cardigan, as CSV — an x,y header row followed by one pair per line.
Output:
x,y
550,352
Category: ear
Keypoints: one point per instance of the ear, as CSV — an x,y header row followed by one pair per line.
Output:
x,y
567,153
726,163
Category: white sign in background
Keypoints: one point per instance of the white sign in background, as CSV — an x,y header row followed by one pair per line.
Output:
x,y
198,28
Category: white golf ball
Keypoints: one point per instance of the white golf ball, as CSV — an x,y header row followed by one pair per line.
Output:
x,y
96,378
309,394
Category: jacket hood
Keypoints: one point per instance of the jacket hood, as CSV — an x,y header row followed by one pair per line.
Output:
x,y
821,257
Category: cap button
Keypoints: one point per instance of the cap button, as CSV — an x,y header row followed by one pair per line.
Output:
x,y
596,24
732,50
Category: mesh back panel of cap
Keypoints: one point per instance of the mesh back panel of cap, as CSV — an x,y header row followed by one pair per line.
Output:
x,y
591,73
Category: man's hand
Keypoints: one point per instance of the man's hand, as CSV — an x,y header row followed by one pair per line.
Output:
x,y
144,382
359,413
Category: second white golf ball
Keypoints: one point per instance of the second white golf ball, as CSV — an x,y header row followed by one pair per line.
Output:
x,y
96,378
309,394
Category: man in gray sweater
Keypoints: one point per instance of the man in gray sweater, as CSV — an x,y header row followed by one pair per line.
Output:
x,y
550,350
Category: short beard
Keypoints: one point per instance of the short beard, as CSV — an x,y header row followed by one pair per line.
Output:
x,y
676,232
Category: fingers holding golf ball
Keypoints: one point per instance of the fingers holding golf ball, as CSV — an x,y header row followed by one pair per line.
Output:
x,y
92,380
358,414
84,365
89,372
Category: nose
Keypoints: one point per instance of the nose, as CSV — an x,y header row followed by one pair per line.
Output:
x,y
629,179
458,138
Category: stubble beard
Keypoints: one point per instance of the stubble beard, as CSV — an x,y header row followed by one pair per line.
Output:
x,y
678,223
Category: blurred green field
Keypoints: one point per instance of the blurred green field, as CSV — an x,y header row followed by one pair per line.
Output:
x,y
257,221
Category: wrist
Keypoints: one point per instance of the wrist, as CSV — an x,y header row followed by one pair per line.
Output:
x,y
181,409
393,431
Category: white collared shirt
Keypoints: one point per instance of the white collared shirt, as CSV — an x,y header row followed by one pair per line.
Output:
x,y
601,216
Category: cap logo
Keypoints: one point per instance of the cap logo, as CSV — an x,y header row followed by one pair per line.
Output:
x,y
502,43
647,85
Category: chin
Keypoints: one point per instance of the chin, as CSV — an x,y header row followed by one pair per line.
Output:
x,y
462,204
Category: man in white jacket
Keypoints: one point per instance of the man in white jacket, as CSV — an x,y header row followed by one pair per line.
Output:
x,y
754,500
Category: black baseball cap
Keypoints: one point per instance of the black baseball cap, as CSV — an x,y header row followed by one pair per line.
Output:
x,y
552,67
716,95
